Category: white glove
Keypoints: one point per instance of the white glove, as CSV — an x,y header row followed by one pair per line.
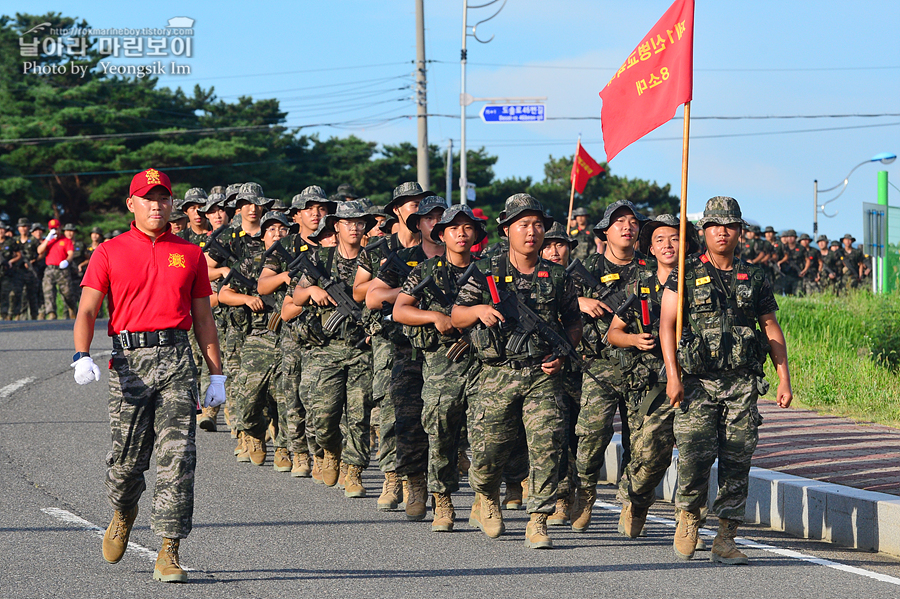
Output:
x,y
64,264
51,236
215,393
86,371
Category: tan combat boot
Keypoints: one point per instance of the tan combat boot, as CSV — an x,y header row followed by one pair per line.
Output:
x,y
301,467
353,486
282,460
207,420
581,511
167,567
685,542
390,492
415,503
330,468
560,517
242,451
632,520
444,514
342,475
51,316
486,515
317,471
524,492
71,314
256,449
404,484
724,549
536,536
464,463
115,541
513,498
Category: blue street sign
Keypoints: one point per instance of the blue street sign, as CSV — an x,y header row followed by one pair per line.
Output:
x,y
513,113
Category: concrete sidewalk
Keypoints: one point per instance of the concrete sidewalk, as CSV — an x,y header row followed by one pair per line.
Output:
x,y
815,476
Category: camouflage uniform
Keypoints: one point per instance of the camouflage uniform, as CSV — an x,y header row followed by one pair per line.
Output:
x,y
153,399
722,379
10,280
586,244
56,277
833,262
32,297
513,390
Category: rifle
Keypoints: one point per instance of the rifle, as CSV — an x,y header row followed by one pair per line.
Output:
x,y
605,293
213,243
336,289
458,349
394,264
524,322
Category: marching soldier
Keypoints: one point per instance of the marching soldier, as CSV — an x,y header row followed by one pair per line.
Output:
x,y
581,233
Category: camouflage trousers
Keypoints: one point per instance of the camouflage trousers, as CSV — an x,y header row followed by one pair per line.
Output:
x,y
568,473
718,420
809,286
406,395
295,429
33,298
507,399
652,441
11,285
231,365
594,427
382,366
258,384
153,400
309,368
343,387
56,277
446,388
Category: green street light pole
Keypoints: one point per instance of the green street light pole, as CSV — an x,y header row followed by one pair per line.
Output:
x,y
883,201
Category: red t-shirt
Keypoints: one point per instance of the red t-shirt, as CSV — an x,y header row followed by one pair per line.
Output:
x,y
150,284
58,249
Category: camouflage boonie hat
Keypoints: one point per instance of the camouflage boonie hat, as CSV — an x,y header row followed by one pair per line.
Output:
x,y
834,243
558,232
23,222
347,210
177,215
217,189
272,216
451,213
821,238
312,194
345,190
214,200
232,190
805,237
195,195
721,210
645,239
769,230
848,236
754,229
376,210
515,205
426,206
276,204
253,193
388,224
96,230
404,192
364,203
789,233
69,227
37,227
580,212
601,227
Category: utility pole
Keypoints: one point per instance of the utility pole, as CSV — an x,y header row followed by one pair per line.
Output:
x,y
449,172
421,102
463,178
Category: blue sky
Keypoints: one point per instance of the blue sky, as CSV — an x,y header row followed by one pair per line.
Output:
x,y
760,58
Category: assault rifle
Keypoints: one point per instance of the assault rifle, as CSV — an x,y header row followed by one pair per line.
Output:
x,y
394,264
213,243
524,322
605,293
336,289
458,349
251,287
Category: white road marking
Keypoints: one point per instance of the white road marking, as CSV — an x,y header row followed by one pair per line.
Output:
x,y
770,548
13,387
70,518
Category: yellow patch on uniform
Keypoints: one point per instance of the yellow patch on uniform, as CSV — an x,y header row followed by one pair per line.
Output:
x,y
508,279
645,290
203,244
412,263
303,248
177,260
703,280
242,233
573,232
496,279
613,276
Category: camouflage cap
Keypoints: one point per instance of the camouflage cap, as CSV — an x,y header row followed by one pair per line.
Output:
x,y
194,195
217,189
345,190
276,204
347,210
23,222
365,203
96,230
410,190
426,206
834,243
645,239
3,224
558,232
215,200
451,213
580,212
515,205
848,236
721,210
376,210
769,230
821,238
253,193
805,237
232,190
754,229
388,224
311,195
69,227
177,215
601,227
37,227
271,217
789,233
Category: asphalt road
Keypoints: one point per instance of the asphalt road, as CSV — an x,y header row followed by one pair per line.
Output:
x,y
259,533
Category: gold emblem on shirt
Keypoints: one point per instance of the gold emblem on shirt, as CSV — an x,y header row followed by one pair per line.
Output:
x,y
177,260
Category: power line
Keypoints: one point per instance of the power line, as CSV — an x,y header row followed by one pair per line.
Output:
x,y
362,66
730,70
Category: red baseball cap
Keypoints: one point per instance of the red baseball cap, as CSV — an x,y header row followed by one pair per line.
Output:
x,y
53,224
147,180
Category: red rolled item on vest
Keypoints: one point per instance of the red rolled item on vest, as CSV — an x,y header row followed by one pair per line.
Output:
x,y
645,313
492,287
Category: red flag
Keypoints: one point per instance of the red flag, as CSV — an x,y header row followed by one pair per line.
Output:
x,y
583,168
655,79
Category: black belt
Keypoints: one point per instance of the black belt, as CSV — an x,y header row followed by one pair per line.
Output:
x,y
523,364
128,340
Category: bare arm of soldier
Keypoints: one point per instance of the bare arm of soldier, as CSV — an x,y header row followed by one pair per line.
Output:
x,y
379,292
361,284
289,309
669,311
88,308
778,353
215,272
205,331
618,337
269,281
406,312
230,297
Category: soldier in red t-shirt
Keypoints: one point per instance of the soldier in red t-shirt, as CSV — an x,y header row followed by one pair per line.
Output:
x,y
158,287
58,251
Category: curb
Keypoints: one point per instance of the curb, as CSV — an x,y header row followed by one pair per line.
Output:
x,y
801,507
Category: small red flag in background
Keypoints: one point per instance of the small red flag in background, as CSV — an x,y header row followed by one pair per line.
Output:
x,y
655,79
583,168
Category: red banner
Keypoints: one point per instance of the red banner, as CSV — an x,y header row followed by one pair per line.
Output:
x,y
583,168
655,79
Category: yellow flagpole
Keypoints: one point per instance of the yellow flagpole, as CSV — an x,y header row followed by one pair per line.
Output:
x,y
682,230
572,192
